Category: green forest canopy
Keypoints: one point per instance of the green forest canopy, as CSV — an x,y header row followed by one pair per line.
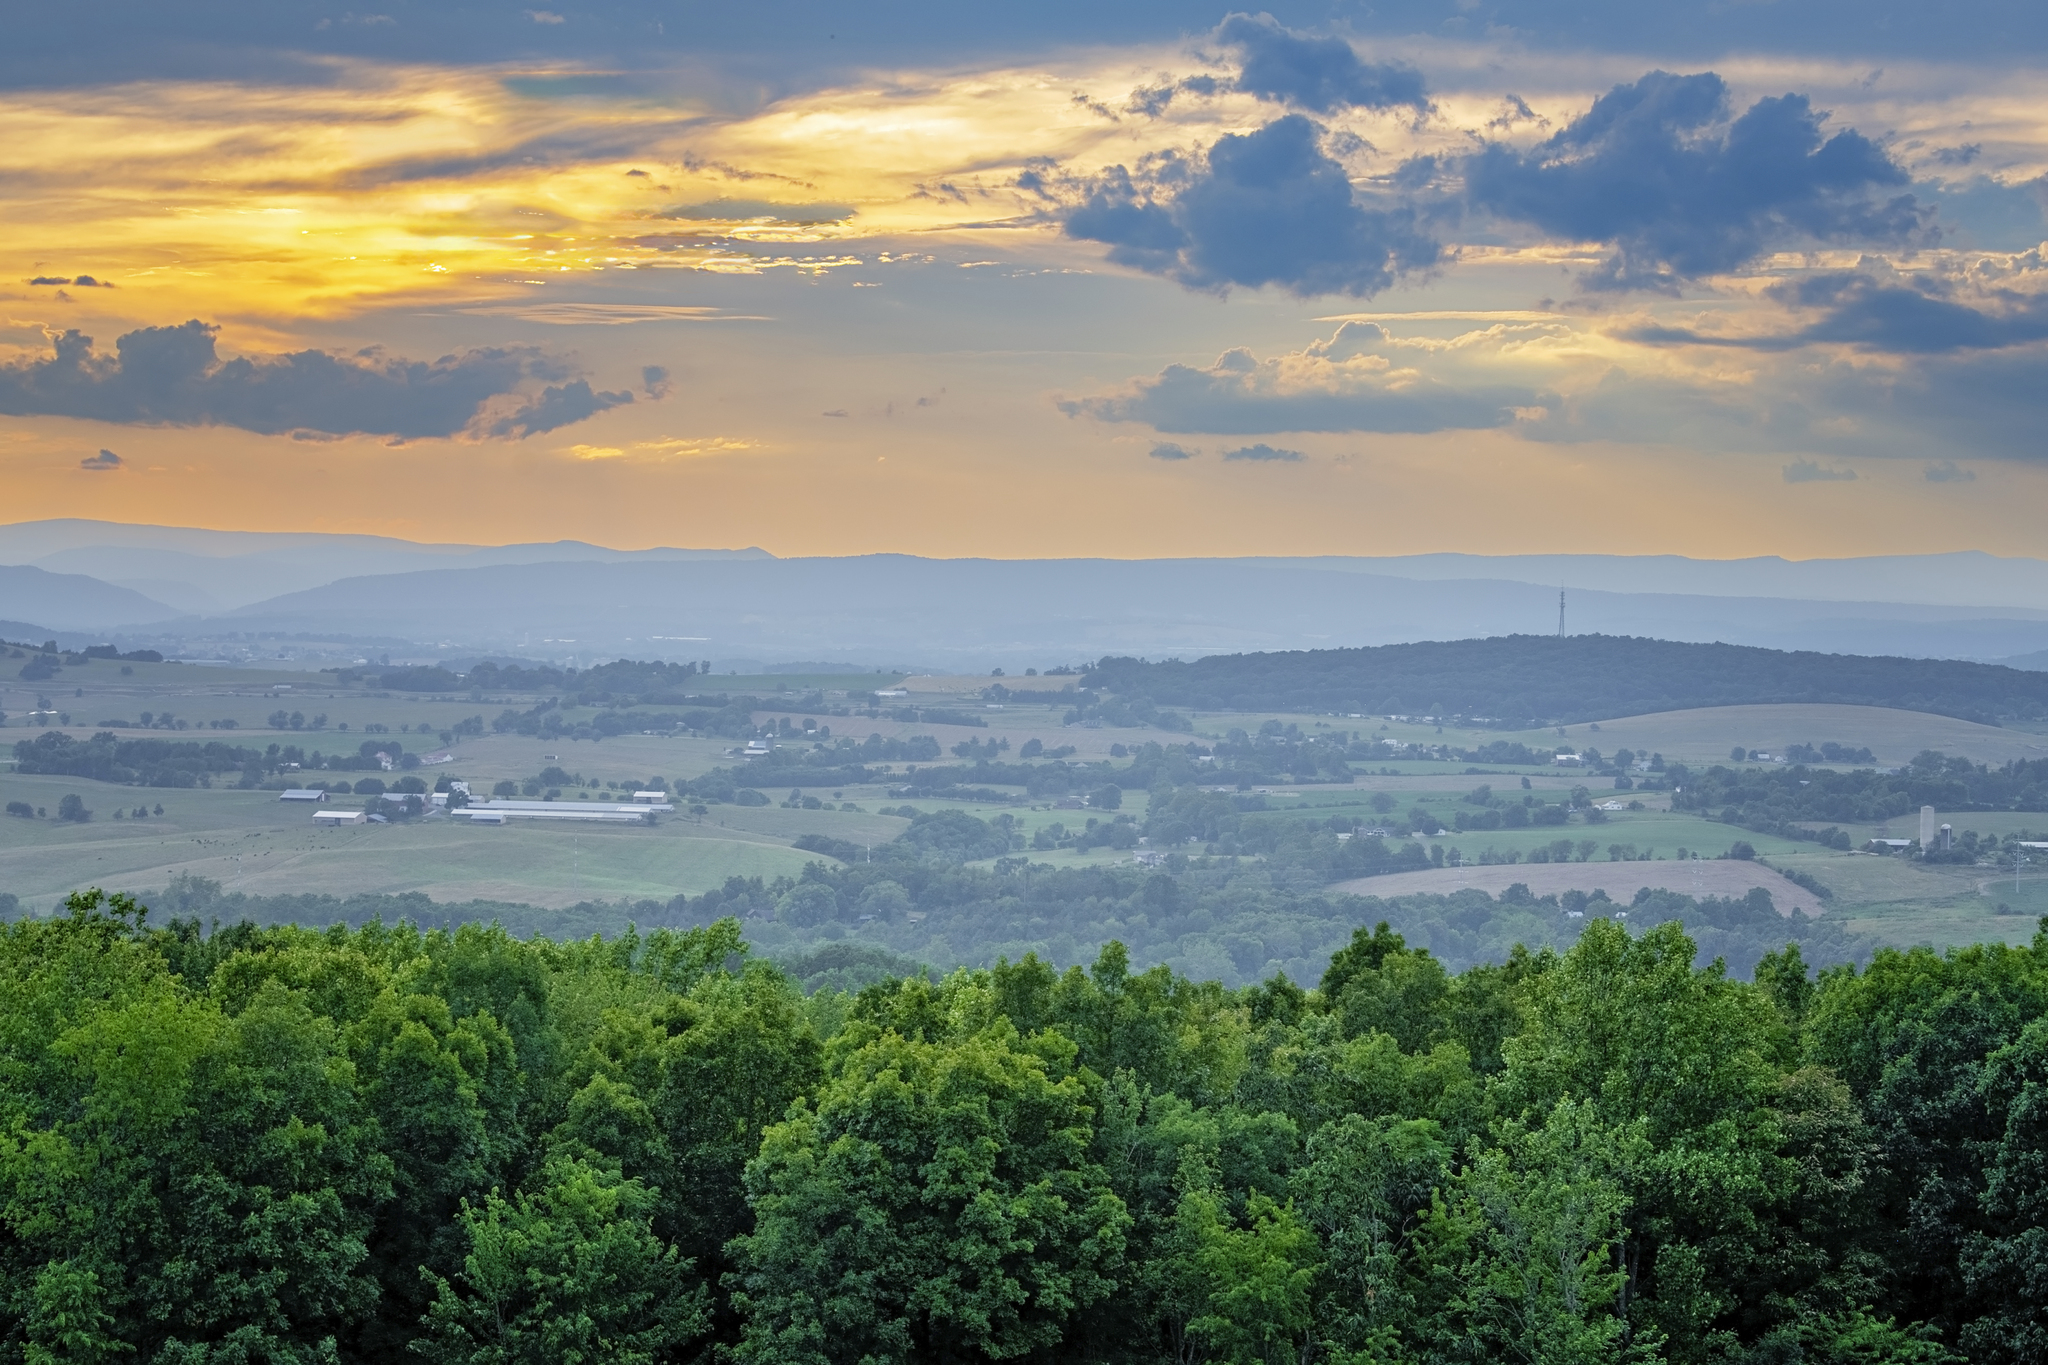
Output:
x,y
371,1144
1540,679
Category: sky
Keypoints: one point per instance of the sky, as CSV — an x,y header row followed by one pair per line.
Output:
x,y
1153,279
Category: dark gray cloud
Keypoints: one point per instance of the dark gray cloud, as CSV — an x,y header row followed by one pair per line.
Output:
x,y
1266,207
1807,471
1151,100
761,51
1167,450
105,460
558,405
1971,404
1319,74
172,376
1680,189
1871,315
1948,472
1263,453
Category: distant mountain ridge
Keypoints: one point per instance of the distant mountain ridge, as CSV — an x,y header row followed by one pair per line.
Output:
x,y
183,588
76,600
970,613
204,572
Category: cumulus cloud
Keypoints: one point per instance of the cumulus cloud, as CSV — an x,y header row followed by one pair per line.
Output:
x,y
1361,379
1167,450
1990,404
1319,74
172,376
1661,171
1948,472
105,460
556,406
1151,100
1265,453
1875,315
1806,471
1266,207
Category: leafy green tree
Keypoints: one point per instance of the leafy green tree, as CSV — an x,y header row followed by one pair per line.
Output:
x,y
1366,1186
1378,984
936,1201
569,1274
179,1181
2006,1264
1527,1243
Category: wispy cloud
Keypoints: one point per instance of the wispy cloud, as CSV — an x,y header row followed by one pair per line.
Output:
x,y
610,314
667,448
1359,379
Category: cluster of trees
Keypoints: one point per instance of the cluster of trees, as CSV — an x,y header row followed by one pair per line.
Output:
x,y
192,763
1830,752
163,720
1788,802
144,762
420,680
354,1145
592,686
1120,711
1523,680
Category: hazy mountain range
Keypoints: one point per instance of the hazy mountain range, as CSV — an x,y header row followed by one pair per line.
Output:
x,y
189,590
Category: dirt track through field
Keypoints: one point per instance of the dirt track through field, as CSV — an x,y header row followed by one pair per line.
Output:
x,y
1620,881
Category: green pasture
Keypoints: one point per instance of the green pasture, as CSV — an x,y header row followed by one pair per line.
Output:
x,y
249,841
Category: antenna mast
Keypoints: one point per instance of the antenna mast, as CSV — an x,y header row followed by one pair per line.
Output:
x,y
1560,613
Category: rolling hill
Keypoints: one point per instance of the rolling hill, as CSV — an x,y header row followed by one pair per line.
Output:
x,y
1543,679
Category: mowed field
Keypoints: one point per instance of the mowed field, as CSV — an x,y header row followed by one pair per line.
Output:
x,y
1708,734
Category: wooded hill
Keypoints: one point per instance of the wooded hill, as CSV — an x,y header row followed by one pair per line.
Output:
x,y
1524,680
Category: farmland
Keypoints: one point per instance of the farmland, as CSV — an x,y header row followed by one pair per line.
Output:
x,y
245,840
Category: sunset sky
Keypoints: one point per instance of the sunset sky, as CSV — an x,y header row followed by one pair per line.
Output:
x,y
1134,280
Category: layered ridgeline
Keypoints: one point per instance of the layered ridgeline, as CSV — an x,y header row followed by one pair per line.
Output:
x,y
378,1144
1523,680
